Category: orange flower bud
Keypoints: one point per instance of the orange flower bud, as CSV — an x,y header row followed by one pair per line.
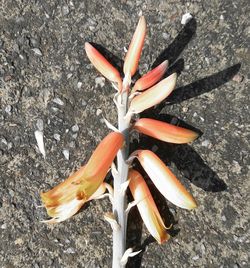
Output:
x,y
150,78
65,199
102,65
164,131
135,48
153,95
165,181
147,207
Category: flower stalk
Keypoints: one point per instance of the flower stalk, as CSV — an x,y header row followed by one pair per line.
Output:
x,y
65,199
119,201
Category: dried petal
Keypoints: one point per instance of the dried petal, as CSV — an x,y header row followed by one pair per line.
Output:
x,y
164,131
65,199
102,65
153,95
135,48
147,207
166,182
150,78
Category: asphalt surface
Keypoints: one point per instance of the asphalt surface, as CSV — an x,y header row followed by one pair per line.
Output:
x,y
48,84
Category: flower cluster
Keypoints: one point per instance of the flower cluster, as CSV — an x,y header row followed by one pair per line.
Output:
x,y
65,200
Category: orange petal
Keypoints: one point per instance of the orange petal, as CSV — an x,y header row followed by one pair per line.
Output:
x,y
153,95
102,65
147,207
65,199
166,182
164,131
151,77
135,48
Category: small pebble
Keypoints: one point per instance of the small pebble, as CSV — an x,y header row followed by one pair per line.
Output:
x,y
39,124
99,81
202,119
79,85
75,128
40,142
65,10
72,144
238,78
58,101
165,36
195,258
4,141
57,137
203,249
3,226
69,75
37,51
98,112
10,145
66,154
186,18
84,103
69,251
205,143
8,109
184,109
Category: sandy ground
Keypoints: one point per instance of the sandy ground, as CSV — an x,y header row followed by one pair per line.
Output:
x,y
47,82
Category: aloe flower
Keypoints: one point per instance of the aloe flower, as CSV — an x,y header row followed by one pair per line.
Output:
x,y
135,48
150,78
147,207
65,199
153,95
102,65
164,131
165,181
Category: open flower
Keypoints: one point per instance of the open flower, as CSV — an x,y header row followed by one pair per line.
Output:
x,y
147,207
65,199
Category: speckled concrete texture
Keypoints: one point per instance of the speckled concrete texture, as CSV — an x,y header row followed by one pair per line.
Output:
x,y
47,83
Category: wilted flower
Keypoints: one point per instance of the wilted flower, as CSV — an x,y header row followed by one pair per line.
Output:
x,y
65,199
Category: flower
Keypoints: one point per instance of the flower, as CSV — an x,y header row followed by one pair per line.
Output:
x,y
65,199
102,65
147,207
165,181
164,131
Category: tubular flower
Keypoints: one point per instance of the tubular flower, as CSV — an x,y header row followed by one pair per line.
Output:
x,y
135,48
164,131
150,78
147,207
65,199
166,182
102,65
153,95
